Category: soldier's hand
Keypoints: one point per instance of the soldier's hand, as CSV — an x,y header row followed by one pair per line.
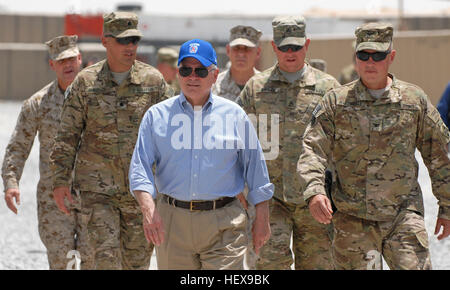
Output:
x,y
11,195
261,226
320,209
59,195
445,225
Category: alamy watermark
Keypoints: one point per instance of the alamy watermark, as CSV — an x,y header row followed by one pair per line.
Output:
x,y
228,131
375,260
75,260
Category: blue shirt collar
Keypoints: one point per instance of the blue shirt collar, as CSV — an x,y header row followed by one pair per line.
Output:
x,y
185,104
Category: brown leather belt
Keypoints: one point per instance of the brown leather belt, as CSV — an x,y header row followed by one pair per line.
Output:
x,y
198,205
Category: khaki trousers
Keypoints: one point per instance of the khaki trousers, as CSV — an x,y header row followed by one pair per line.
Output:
x,y
210,240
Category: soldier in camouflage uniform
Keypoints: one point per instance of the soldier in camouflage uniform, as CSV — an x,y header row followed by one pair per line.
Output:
x,y
369,129
98,130
243,50
167,65
291,89
40,115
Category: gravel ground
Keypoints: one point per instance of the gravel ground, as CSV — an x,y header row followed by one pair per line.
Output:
x,y
21,247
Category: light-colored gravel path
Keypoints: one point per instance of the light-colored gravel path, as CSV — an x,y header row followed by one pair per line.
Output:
x,y
21,247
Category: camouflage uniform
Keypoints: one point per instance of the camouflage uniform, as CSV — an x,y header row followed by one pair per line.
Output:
x,y
170,56
372,142
98,130
40,115
319,64
271,93
348,74
226,87
175,85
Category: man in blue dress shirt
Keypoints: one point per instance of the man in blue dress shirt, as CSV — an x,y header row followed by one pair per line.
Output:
x,y
444,106
205,149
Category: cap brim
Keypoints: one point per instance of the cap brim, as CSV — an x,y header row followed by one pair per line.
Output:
x,y
128,33
200,58
68,53
242,41
291,40
377,46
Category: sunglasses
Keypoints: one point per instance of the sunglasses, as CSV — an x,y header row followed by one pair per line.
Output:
x,y
127,40
292,47
376,56
201,72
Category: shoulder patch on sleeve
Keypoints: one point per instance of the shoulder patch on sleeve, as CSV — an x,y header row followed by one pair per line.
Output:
x,y
316,113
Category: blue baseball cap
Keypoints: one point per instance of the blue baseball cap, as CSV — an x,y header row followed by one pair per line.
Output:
x,y
200,50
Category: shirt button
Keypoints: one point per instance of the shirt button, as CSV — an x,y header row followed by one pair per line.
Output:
x,y
195,156
195,175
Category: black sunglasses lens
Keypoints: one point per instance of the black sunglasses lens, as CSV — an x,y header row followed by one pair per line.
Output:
x,y
292,47
128,40
362,55
376,56
379,56
201,72
185,71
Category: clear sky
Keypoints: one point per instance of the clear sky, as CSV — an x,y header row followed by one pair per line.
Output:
x,y
255,7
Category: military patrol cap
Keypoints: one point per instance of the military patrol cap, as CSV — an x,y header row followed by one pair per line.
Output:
x,y
244,35
289,30
120,24
167,55
62,47
374,36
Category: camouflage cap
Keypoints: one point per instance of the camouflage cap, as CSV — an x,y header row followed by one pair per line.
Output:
x,y
374,36
62,47
121,24
244,35
168,55
289,30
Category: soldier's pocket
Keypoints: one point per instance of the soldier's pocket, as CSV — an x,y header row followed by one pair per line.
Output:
x,y
137,106
85,217
422,237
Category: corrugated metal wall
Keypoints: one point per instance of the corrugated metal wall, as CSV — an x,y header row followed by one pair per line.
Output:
x,y
30,28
